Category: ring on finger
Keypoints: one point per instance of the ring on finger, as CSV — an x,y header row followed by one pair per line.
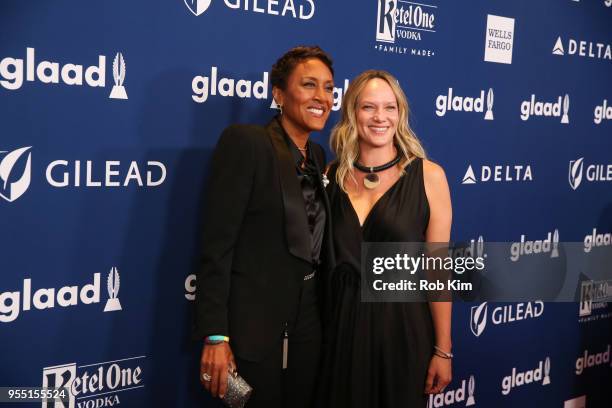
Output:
x,y
206,377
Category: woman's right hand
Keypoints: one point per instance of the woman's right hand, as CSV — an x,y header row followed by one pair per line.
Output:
x,y
216,361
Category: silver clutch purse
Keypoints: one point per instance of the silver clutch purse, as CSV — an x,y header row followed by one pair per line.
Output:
x,y
238,391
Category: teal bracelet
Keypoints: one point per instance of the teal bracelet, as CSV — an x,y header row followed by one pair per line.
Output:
x,y
217,339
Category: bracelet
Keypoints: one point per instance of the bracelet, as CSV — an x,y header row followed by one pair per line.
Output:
x,y
441,353
216,339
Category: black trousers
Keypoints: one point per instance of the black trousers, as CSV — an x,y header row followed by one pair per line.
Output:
x,y
293,387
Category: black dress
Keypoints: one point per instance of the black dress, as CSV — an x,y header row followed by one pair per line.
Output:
x,y
376,354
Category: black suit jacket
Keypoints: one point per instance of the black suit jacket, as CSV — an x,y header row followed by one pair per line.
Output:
x,y
256,245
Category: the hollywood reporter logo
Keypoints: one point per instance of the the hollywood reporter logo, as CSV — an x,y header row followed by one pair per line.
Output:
x,y
14,70
15,302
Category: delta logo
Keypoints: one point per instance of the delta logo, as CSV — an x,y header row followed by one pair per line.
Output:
x,y
498,174
13,72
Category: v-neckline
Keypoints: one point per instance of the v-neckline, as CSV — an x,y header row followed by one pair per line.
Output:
x,y
392,186
365,220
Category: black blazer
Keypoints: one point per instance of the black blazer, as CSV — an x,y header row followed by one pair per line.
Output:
x,y
256,246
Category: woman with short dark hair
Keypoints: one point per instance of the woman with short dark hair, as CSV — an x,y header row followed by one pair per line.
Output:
x,y
265,237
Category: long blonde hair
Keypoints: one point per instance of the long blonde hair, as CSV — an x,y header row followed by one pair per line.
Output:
x,y
344,140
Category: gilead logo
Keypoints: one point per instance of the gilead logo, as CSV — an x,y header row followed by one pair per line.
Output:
x,y
518,379
13,186
300,9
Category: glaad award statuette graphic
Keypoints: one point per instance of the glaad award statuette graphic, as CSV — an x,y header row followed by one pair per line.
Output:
x,y
565,118
471,385
113,304
489,114
118,91
546,372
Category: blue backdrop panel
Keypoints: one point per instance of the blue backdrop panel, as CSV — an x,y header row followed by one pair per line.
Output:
x,y
110,111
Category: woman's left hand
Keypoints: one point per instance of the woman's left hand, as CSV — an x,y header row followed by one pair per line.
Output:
x,y
439,374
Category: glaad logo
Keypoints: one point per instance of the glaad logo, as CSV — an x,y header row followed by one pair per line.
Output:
x,y
94,385
541,246
197,7
450,102
527,377
583,49
406,22
596,240
504,314
49,72
499,173
499,39
205,86
12,190
602,112
591,360
537,108
594,172
304,11
454,396
190,287
12,303
578,402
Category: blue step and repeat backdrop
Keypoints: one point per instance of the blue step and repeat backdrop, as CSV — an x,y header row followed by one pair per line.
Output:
x,y
110,111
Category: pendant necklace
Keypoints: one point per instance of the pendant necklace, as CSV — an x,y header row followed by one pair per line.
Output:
x,y
371,179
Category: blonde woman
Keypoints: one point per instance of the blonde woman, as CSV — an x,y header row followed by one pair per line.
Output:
x,y
383,189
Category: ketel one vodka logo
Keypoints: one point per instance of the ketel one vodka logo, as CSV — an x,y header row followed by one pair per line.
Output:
x,y
94,385
400,22
594,295
534,107
455,103
13,303
593,172
15,174
454,396
517,379
540,246
511,313
13,71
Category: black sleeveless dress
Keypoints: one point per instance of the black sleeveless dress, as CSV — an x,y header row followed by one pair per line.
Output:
x,y
376,354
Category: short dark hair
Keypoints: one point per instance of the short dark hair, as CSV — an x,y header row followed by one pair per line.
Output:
x,y
286,64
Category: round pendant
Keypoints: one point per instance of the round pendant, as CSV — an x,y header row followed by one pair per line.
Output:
x,y
371,181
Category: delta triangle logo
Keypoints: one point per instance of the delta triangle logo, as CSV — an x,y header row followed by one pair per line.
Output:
x,y
469,177
558,48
